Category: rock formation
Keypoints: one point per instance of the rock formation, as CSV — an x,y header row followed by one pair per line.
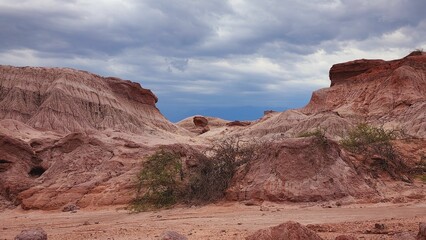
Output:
x,y
300,170
388,93
392,93
72,137
69,136
201,124
68,100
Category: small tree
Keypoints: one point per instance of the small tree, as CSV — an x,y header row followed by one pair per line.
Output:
x,y
159,183
217,167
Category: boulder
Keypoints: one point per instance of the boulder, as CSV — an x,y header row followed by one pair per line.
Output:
x,y
285,231
200,121
345,237
70,207
32,234
172,235
422,231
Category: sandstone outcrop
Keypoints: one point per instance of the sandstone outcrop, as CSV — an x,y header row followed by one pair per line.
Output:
x,y
67,100
391,93
300,170
383,93
19,165
69,136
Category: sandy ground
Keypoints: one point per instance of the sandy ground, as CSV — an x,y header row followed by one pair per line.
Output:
x,y
221,221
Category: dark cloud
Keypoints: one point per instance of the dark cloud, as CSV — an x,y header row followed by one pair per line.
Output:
x,y
211,53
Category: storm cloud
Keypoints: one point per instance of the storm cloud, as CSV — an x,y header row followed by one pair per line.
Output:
x,y
201,56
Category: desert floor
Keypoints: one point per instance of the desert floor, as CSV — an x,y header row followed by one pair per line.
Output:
x,y
219,221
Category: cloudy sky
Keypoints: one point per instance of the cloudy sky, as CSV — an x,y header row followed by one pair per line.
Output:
x,y
227,58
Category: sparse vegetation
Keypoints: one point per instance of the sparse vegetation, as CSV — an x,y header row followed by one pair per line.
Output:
x,y
318,134
163,182
363,136
374,143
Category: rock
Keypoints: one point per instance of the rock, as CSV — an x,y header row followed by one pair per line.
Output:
x,y
201,124
344,71
403,236
70,207
379,226
252,202
172,235
267,112
200,121
17,160
32,234
345,237
264,209
285,231
422,231
238,123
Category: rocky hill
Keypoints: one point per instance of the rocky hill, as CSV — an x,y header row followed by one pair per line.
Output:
x,y
64,133
67,100
392,93
384,93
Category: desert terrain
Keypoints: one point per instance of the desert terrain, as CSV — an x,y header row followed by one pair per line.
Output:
x,y
219,221
73,138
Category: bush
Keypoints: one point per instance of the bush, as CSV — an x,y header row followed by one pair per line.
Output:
x,y
374,143
163,182
364,135
159,183
217,167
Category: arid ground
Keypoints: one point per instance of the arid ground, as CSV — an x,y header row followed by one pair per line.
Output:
x,y
220,221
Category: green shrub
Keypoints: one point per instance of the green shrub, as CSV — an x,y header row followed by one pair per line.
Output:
x,y
159,183
364,135
374,143
217,167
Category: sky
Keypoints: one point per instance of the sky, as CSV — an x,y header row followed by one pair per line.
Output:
x,y
226,58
